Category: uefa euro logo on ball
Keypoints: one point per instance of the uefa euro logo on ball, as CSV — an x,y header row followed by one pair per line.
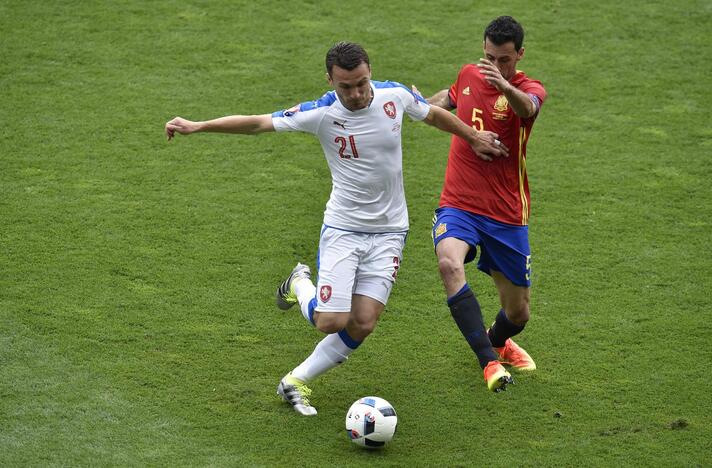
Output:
x,y
371,422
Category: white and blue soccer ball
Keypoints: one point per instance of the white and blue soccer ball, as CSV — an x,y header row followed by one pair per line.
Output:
x,y
371,422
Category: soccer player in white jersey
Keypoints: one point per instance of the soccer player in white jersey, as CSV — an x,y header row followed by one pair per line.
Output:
x,y
366,218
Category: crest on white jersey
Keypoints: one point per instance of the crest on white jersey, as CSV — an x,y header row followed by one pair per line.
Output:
x,y
390,109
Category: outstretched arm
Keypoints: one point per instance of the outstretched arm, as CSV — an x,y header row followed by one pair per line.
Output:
x,y
247,124
486,144
440,99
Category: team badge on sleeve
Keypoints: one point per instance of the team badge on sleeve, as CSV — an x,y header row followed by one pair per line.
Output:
x,y
325,293
291,111
390,109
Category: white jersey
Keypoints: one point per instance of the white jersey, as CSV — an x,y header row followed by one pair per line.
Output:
x,y
363,150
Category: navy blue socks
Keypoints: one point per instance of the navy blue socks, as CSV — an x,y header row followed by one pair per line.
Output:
x,y
466,312
502,329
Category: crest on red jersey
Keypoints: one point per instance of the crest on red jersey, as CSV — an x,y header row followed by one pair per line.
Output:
x,y
325,293
501,108
390,109
501,104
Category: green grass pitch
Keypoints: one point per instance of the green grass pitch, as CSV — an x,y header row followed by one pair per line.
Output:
x,y
137,322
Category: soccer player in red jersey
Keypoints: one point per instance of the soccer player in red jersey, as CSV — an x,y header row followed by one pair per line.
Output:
x,y
485,201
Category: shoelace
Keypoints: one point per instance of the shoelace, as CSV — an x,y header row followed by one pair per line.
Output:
x,y
304,393
511,352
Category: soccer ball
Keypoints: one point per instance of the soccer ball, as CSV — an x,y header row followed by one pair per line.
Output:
x,y
371,422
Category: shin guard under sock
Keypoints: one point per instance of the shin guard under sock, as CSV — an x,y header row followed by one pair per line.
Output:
x,y
466,312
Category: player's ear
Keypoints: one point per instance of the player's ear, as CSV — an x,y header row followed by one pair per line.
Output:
x,y
520,54
329,80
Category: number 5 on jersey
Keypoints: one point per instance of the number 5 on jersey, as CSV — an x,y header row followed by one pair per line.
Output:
x,y
477,122
342,149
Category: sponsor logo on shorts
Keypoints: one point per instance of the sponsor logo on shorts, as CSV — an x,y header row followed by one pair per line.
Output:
x,y
441,229
325,293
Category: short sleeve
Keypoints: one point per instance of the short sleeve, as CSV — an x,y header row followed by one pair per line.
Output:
x,y
536,92
454,94
414,105
304,117
294,120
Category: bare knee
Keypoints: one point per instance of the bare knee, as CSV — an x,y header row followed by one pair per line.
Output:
x,y
330,322
450,268
360,329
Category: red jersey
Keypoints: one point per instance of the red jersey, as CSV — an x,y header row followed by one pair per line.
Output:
x,y
499,188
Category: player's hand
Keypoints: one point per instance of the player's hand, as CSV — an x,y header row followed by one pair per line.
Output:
x,y
180,125
492,75
487,146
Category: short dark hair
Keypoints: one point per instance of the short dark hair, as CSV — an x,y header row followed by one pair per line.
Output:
x,y
505,29
347,55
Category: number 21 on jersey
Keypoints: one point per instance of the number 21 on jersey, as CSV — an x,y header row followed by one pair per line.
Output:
x,y
341,141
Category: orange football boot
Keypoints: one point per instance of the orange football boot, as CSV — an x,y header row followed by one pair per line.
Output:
x,y
497,377
514,355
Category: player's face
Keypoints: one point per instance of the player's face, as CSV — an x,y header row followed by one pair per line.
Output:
x,y
352,86
504,57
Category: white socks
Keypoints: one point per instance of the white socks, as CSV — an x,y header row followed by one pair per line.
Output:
x,y
329,353
306,291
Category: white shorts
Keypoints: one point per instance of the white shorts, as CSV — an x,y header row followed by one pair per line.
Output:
x,y
356,263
